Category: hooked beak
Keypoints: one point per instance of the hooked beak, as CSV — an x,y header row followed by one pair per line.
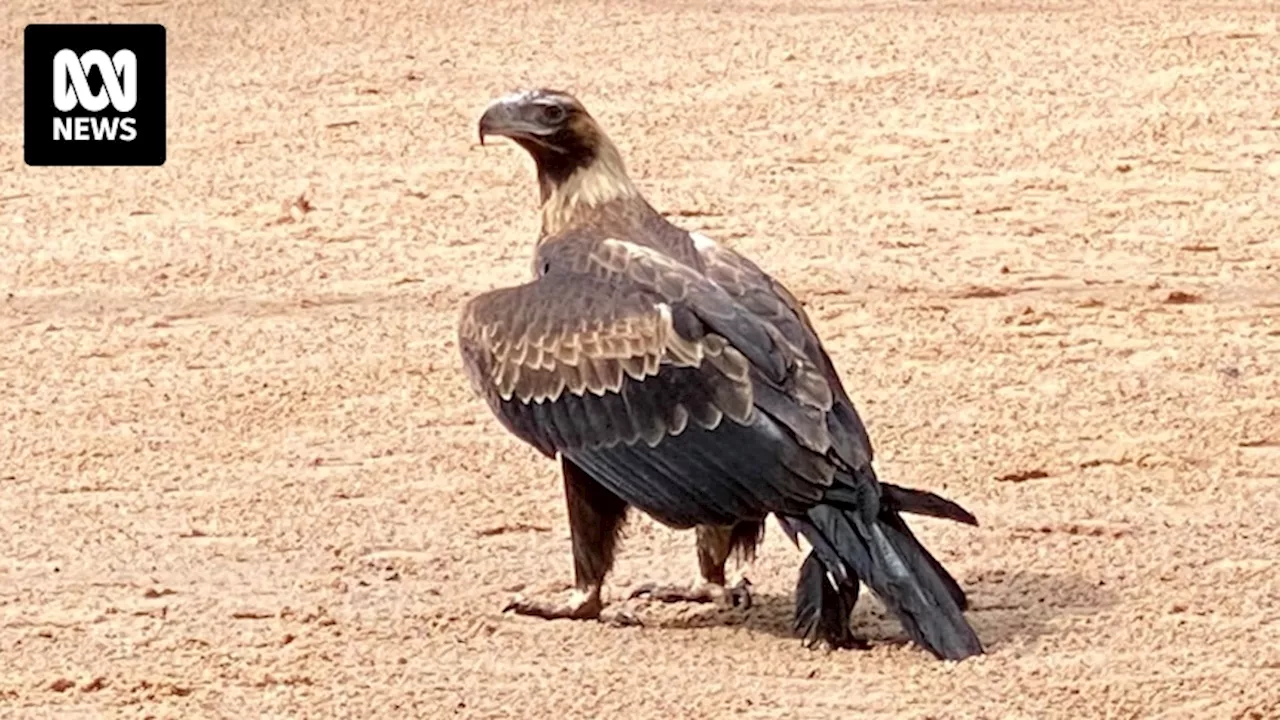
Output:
x,y
511,119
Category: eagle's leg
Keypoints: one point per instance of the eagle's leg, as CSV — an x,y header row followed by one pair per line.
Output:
x,y
715,545
595,519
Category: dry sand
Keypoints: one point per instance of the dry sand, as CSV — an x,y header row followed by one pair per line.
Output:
x,y
242,474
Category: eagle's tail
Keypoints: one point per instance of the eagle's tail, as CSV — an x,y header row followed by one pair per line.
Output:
x,y
895,500
848,547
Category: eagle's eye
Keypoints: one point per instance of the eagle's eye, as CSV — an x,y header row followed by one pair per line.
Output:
x,y
552,113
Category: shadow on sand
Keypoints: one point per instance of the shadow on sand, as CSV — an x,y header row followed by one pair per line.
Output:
x,y
1004,607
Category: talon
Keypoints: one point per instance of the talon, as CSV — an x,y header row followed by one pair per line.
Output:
x,y
701,592
645,589
675,593
624,618
846,643
580,606
741,594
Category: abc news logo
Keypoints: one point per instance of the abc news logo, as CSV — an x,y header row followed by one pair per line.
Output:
x,y
95,95
71,89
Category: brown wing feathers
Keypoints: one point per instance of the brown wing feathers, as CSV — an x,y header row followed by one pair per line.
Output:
x,y
607,318
766,297
718,311
563,373
536,343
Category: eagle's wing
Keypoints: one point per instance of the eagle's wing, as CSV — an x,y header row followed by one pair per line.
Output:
x,y
770,300
617,346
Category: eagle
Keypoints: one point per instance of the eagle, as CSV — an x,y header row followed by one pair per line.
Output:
x,y
670,374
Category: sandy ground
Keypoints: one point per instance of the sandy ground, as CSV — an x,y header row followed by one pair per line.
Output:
x,y
242,474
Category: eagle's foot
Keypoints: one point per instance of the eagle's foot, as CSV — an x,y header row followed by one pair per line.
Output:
x,y
620,617
581,605
736,595
835,640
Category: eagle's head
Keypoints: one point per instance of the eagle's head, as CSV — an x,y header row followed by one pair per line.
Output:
x,y
551,125
578,166
543,121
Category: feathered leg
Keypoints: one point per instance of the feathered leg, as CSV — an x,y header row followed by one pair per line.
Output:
x,y
595,519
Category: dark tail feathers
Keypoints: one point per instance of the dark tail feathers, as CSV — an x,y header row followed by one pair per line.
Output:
x,y
822,609
921,502
884,554
896,500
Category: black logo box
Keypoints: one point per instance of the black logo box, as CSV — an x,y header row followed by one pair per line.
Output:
x,y
42,43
